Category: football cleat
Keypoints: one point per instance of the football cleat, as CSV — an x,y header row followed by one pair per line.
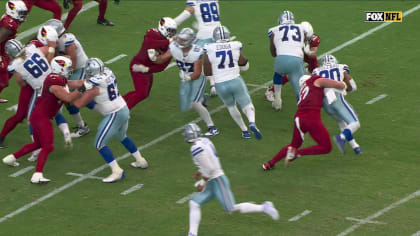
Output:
x,y
66,4
290,156
3,100
269,94
357,151
34,155
276,104
104,22
246,134
268,165
38,178
2,144
81,131
269,209
213,91
114,177
213,131
255,130
142,163
67,141
10,160
340,143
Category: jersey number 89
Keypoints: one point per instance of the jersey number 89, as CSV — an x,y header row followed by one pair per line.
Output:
x,y
209,12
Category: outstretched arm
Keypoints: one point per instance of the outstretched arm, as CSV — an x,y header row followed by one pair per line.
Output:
x,y
87,97
189,10
61,93
328,83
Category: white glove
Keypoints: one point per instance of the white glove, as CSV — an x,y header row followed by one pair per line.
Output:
x,y
88,85
140,68
186,77
152,54
307,49
201,183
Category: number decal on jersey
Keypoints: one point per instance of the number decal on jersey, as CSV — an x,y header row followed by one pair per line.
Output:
x,y
184,66
296,36
113,91
303,93
222,54
36,66
209,12
333,74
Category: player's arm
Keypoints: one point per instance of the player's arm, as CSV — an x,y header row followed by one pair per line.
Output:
x,y
87,97
155,43
75,84
4,33
329,83
188,11
198,68
207,66
272,46
19,79
61,93
165,57
351,84
310,51
71,51
49,52
243,62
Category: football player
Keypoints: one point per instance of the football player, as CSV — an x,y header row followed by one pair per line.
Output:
x,y
214,182
29,67
188,57
287,43
77,6
142,68
224,60
206,13
308,120
16,12
50,5
337,106
54,93
116,114
67,44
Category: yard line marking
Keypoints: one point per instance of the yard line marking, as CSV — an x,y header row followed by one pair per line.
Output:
x,y
81,175
254,85
379,213
34,30
13,108
21,172
416,233
93,172
115,59
377,99
296,218
186,198
368,221
170,65
132,189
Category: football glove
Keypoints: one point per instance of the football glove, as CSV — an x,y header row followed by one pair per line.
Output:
x,y
140,68
152,54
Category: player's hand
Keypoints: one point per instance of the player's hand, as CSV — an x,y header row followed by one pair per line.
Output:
x,y
52,44
186,77
88,85
140,68
197,175
307,49
200,185
152,53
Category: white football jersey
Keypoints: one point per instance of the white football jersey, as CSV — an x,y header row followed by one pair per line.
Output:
x,y
186,61
224,59
207,14
289,39
34,68
68,39
205,158
334,71
109,99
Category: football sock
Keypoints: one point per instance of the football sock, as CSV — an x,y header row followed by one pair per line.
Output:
x,y
236,116
131,147
195,217
77,6
106,154
64,127
79,119
249,111
280,155
211,80
277,82
114,166
102,8
203,112
247,207
346,134
59,119
353,143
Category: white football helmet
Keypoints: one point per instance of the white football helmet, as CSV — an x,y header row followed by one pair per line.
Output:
x,y
328,60
94,66
17,10
286,17
57,25
191,132
221,34
307,30
47,33
185,38
167,27
14,48
62,66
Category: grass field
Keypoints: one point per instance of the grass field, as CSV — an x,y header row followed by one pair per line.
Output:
x,y
377,190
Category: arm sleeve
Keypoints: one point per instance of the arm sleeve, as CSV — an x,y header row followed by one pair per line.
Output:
x,y
155,43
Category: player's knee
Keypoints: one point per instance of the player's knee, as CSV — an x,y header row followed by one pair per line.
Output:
x,y
354,126
48,148
194,205
326,148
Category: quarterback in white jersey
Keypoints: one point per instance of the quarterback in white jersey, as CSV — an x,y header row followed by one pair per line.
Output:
x,y
336,105
101,86
223,61
214,182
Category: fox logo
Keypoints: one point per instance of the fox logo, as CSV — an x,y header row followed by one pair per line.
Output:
x,y
11,5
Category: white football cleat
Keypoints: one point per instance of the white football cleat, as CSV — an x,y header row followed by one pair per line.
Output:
x,y
291,155
81,131
276,104
213,91
67,141
269,95
114,177
142,163
38,178
34,155
10,160
269,209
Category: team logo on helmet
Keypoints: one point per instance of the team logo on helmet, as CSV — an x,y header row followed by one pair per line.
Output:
x,y
11,5
61,63
162,22
43,32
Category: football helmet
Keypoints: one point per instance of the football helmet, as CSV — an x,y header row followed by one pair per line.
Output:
x,y
307,29
17,10
94,66
185,38
14,48
329,60
286,17
221,34
167,27
62,66
47,33
57,25
191,132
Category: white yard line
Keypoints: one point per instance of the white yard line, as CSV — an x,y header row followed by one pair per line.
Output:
x,y
373,100
13,108
132,189
253,85
115,59
304,213
170,65
416,233
81,175
365,221
35,29
379,213
186,198
157,140
21,172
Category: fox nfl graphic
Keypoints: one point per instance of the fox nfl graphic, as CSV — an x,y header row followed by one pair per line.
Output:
x,y
383,16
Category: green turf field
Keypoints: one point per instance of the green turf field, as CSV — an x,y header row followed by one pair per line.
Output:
x,y
377,190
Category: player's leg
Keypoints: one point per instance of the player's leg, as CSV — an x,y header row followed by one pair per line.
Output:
x,y
52,6
77,6
64,128
82,127
277,86
142,85
43,134
195,203
102,10
297,70
321,136
4,75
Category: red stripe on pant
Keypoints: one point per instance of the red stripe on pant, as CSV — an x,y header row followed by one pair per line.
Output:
x,y
142,85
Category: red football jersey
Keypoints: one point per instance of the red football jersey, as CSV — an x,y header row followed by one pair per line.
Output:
x,y
152,39
10,24
37,43
310,99
315,40
48,104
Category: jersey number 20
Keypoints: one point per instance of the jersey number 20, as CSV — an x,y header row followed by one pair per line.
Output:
x,y
36,66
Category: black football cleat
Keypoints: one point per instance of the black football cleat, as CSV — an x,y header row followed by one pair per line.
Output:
x,y
66,4
105,22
